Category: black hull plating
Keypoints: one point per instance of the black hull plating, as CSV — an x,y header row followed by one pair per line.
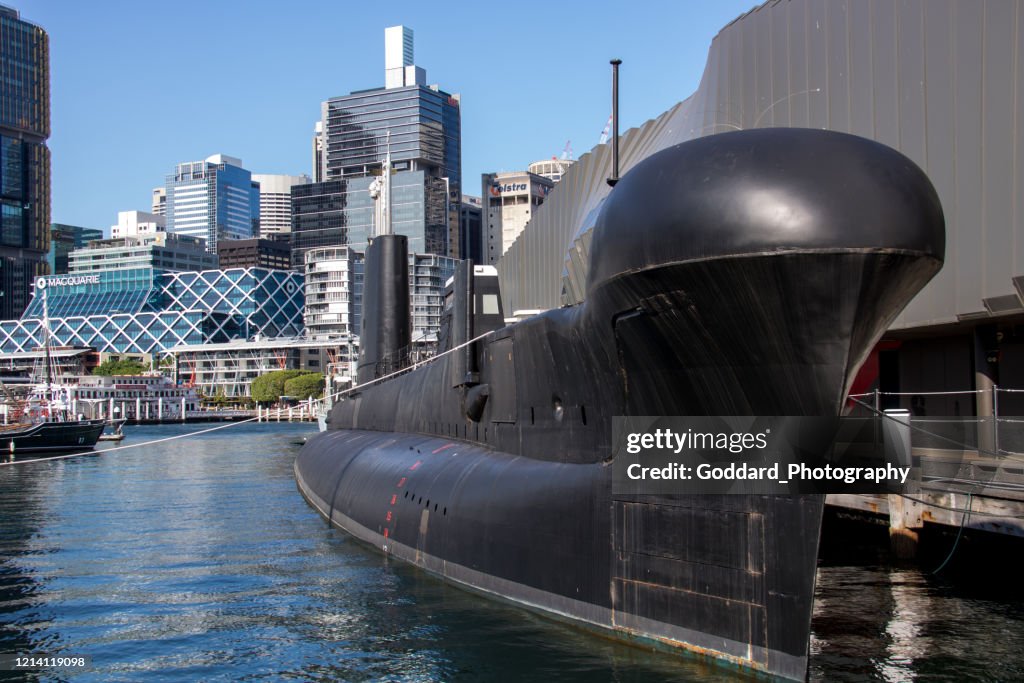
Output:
x,y
693,308
52,438
551,537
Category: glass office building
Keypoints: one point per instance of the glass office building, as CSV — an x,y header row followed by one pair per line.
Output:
x,y
340,212
213,199
422,126
64,239
425,140
24,159
145,310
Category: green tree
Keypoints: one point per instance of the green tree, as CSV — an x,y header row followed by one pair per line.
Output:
x,y
310,385
269,388
119,367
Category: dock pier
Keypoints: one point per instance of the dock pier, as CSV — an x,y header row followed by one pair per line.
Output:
x,y
970,475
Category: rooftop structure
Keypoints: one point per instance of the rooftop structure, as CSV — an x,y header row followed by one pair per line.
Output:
x,y
157,250
136,223
553,169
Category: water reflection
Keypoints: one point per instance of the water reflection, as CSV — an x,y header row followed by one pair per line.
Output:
x,y
199,560
875,621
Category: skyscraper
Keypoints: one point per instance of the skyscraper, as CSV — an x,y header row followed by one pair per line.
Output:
x,y
276,202
24,159
213,199
423,125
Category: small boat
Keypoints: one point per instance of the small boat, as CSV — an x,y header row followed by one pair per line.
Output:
x,y
117,434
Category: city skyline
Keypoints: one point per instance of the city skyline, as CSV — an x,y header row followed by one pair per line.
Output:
x,y
143,88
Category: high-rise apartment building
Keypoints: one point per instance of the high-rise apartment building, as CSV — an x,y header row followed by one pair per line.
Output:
x,y
276,202
24,159
334,287
334,293
509,202
213,199
63,240
422,126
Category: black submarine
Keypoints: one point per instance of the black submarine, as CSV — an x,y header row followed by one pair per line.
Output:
x,y
743,273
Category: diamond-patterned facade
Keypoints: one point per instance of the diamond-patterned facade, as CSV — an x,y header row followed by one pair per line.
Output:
x,y
154,311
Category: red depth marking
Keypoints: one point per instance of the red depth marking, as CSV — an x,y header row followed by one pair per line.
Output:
x,y
443,448
389,516
385,532
394,498
401,482
416,464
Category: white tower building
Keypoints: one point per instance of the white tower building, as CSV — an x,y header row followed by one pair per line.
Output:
x,y
276,201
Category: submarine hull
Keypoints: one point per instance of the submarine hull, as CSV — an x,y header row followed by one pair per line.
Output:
x,y
744,274
551,537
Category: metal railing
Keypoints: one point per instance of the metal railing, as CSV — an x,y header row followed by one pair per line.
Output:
x,y
949,420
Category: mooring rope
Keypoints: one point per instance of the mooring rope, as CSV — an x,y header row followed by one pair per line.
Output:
x,y
360,387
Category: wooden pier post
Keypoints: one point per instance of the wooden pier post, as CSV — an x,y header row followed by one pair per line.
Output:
x,y
904,514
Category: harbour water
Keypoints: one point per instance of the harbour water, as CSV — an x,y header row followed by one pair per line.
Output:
x,y
196,559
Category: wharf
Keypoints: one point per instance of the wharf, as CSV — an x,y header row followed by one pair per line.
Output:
x,y
956,489
296,414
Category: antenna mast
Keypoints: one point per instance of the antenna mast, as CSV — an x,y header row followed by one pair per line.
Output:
x,y
615,122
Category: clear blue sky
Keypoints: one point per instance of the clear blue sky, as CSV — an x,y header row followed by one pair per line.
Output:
x,y
137,87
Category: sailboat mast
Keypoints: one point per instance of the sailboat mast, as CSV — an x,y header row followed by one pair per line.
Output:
x,y
46,339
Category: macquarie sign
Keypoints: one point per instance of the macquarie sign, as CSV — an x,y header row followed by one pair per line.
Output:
x,y
66,281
